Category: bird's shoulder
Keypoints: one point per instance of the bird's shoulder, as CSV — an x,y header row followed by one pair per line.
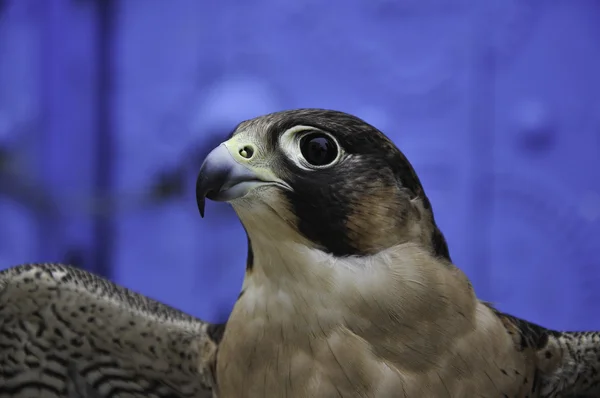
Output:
x,y
65,332
525,335
567,363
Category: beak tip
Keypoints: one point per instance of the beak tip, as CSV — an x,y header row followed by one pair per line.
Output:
x,y
201,203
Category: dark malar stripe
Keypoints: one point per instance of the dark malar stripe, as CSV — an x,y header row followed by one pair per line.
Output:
x,y
250,256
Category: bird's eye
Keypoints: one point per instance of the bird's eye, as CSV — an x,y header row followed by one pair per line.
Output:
x,y
318,149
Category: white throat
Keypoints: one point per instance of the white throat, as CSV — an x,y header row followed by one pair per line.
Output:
x,y
293,282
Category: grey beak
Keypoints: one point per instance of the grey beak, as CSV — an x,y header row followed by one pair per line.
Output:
x,y
222,178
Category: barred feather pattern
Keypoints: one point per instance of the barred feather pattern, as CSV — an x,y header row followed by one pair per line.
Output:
x,y
570,365
65,332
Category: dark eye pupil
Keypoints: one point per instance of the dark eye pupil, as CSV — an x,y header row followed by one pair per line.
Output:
x,y
318,149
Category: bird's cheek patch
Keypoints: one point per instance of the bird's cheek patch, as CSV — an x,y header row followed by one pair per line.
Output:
x,y
376,219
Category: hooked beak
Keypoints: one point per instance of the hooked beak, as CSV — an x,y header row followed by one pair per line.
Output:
x,y
223,178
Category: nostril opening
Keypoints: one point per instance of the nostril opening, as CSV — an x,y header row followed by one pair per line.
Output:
x,y
247,152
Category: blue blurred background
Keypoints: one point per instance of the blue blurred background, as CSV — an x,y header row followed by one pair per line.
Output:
x,y
107,109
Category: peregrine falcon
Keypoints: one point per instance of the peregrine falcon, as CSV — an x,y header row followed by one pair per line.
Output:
x,y
350,291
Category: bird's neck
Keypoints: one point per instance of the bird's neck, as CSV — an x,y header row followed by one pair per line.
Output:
x,y
288,277
286,264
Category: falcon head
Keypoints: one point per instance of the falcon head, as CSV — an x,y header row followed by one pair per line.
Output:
x,y
324,179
